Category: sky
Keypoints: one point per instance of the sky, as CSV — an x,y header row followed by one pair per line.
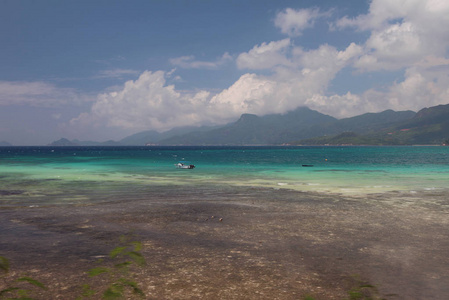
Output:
x,y
105,69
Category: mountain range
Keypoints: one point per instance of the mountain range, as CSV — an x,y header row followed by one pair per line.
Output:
x,y
430,126
304,126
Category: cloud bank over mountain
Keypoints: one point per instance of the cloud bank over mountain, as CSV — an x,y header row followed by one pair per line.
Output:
x,y
282,75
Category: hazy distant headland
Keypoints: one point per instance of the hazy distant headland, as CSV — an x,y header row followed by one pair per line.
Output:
x,y
3,143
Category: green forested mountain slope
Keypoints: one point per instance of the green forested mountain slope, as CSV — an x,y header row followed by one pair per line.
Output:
x,y
428,126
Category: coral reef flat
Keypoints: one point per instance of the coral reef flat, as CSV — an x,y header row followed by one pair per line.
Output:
x,y
240,243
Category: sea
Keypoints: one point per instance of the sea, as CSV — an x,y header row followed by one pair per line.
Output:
x,y
40,176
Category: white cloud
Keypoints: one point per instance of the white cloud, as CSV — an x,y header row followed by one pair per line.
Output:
x,y
408,35
381,12
292,84
402,32
285,90
329,58
402,37
397,46
293,22
428,14
248,94
38,94
337,105
189,62
265,56
419,87
116,73
149,102
143,104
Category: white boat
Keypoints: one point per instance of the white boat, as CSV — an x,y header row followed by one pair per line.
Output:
x,y
184,165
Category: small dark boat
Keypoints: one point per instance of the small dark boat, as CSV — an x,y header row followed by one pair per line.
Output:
x,y
307,165
184,165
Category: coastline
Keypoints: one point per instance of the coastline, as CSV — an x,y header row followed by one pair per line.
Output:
x,y
270,244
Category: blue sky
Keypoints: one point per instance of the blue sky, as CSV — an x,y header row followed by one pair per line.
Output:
x,y
99,70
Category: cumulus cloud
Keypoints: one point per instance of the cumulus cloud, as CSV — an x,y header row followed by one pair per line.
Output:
x,y
409,35
265,56
282,76
397,46
295,81
402,32
145,103
293,22
248,94
337,105
149,102
419,87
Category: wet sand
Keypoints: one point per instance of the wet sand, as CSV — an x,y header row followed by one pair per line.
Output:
x,y
240,243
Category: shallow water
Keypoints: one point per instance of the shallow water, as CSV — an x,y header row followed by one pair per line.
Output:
x,y
62,175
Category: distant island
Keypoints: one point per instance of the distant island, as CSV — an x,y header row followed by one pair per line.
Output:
x,y
63,142
303,126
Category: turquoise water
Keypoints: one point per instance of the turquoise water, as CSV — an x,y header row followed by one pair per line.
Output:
x,y
58,175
